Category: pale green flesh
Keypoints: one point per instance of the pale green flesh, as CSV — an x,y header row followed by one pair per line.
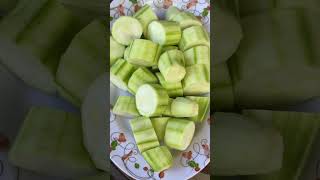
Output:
x,y
157,32
183,107
125,106
94,122
197,80
50,142
144,133
179,133
158,158
141,76
143,53
147,100
116,50
145,15
193,36
118,82
204,107
126,29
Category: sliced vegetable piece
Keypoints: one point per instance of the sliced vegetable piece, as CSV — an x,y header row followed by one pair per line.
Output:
x,y
158,158
197,80
144,133
171,12
126,53
125,106
179,133
167,48
197,55
95,120
84,60
171,65
185,19
145,15
227,32
183,107
116,51
164,32
173,89
152,100
139,77
299,130
243,146
194,36
120,73
167,112
126,29
159,124
204,106
144,52
50,142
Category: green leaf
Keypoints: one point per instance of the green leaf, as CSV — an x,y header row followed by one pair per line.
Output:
x,y
136,165
114,144
205,12
192,164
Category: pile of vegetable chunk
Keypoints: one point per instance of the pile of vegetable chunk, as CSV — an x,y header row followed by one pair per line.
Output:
x,y
165,65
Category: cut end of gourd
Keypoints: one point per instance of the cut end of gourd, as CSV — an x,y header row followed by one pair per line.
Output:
x,y
179,133
126,29
118,82
146,100
158,158
156,32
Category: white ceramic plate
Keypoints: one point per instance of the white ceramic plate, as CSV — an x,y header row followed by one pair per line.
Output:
x,y
125,154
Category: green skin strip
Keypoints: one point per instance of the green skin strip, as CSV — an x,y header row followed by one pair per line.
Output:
x,y
171,65
116,51
44,131
120,73
167,48
145,15
125,106
144,133
167,112
204,107
283,39
197,80
194,36
126,29
139,77
151,100
143,53
84,60
183,107
263,144
179,133
158,158
171,12
197,55
173,89
164,32
186,20
159,124
299,130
